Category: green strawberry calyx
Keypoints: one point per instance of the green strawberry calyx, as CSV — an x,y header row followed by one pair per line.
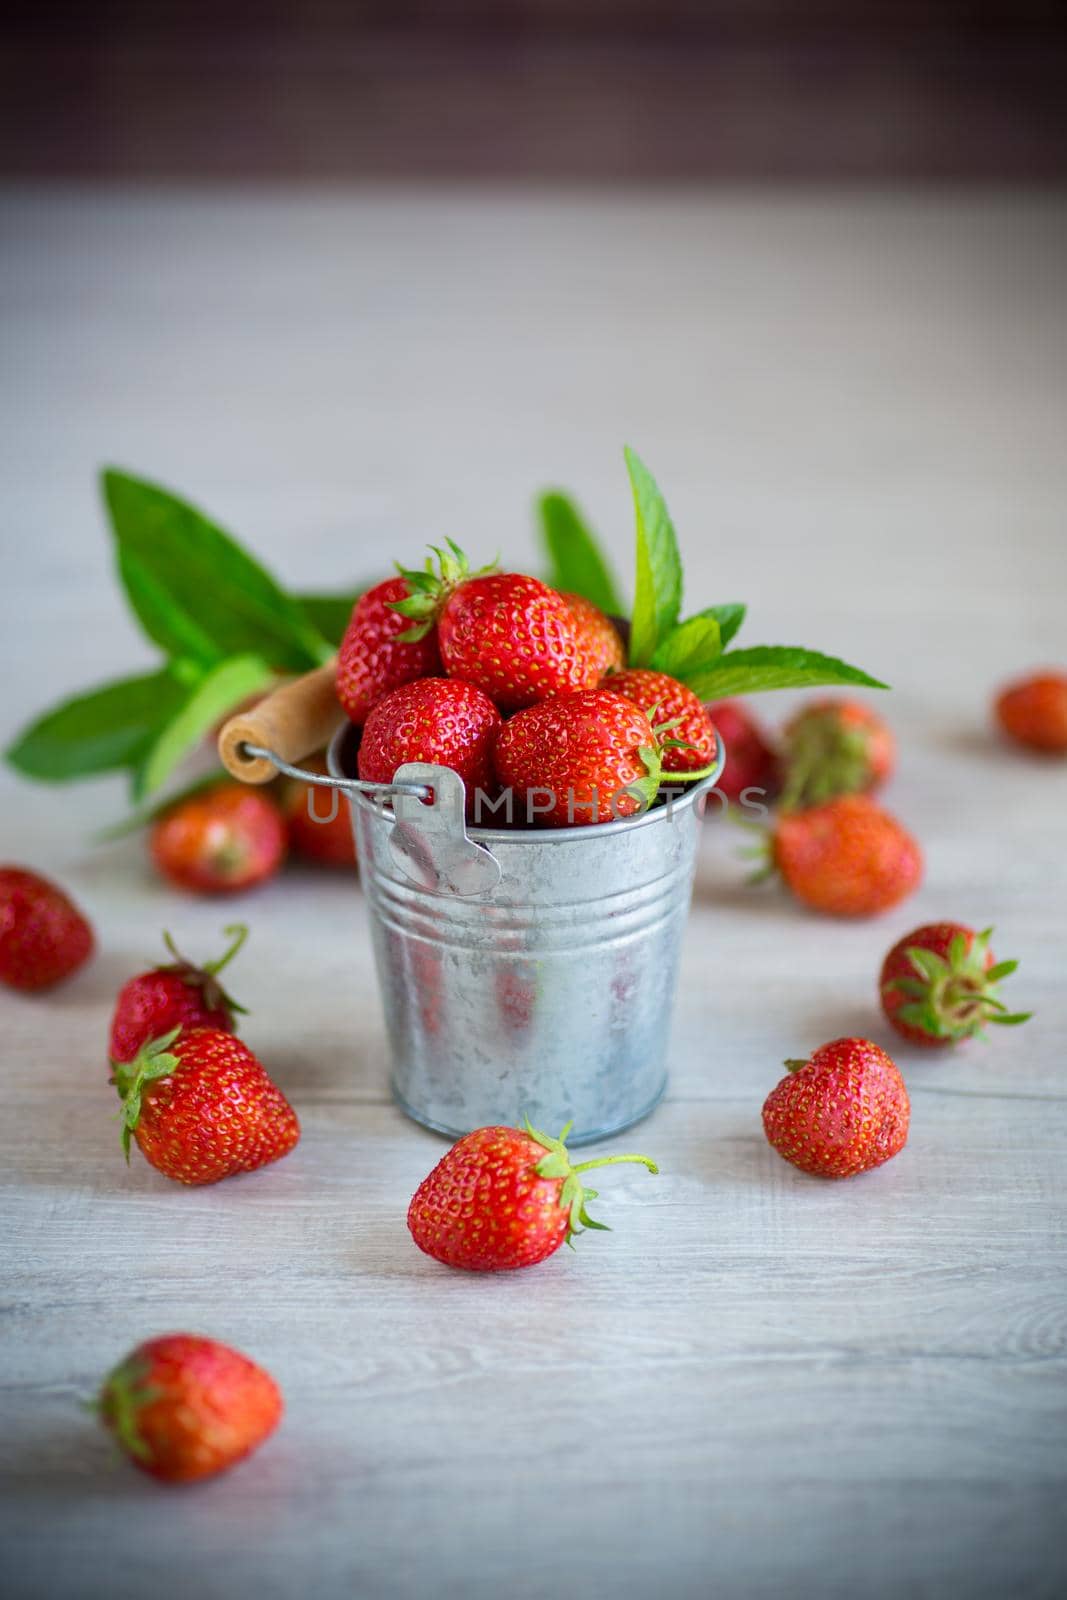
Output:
x,y
153,1061
954,997
430,586
824,758
662,744
573,1194
119,1403
206,978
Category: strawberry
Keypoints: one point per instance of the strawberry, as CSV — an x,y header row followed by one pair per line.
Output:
x,y
579,758
377,653
670,706
751,761
938,984
843,1111
848,858
509,634
1033,712
179,995
440,720
220,841
43,936
504,1198
835,747
201,1107
597,634
319,825
183,1407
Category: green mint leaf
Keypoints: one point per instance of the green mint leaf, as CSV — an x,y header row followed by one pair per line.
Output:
x,y
658,581
194,589
729,617
771,666
218,692
329,614
690,648
107,728
577,563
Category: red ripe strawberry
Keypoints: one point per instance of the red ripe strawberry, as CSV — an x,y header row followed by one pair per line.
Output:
x,y
201,1107
377,653
844,1111
1033,712
938,985
597,634
751,761
848,858
835,747
183,1407
179,995
440,720
43,936
319,824
220,841
673,708
504,1198
579,759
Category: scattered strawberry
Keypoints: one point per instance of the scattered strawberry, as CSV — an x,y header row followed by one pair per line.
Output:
x,y
834,747
320,825
844,1111
848,858
597,635
579,758
673,709
938,985
440,720
219,841
503,1198
201,1107
376,655
510,634
179,995
183,1407
751,762
43,936
1033,712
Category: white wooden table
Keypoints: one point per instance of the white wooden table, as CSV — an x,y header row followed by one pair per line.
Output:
x,y
758,1383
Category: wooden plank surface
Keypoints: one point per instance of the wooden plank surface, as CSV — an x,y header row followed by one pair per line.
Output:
x,y
755,1382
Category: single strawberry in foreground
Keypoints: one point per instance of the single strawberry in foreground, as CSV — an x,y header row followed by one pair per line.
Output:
x,y
834,747
319,822
751,760
691,748
843,1111
178,995
43,936
220,841
504,1198
202,1107
578,759
440,720
1033,712
938,985
848,858
376,654
183,1407
598,636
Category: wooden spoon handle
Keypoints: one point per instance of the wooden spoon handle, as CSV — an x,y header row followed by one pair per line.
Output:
x,y
295,721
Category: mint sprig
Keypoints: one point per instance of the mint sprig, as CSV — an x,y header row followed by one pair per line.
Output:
x,y
658,577
577,565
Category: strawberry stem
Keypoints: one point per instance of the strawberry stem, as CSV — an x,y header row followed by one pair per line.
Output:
x,y
573,1195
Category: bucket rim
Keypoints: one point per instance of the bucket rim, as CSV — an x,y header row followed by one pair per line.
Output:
x,y
513,836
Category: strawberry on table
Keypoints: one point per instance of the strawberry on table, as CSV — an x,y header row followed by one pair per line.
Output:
x,y
938,985
597,634
201,1107
178,995
690,748
376,655
835,747
1033,712
182,1407
504,1198
43,936
848,858
439,720
578,759
223,840
751,760
843,1111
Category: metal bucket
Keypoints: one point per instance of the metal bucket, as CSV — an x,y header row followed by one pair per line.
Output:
x,y
524,973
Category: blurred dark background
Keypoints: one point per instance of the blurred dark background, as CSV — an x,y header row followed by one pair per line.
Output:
x,y
583,89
